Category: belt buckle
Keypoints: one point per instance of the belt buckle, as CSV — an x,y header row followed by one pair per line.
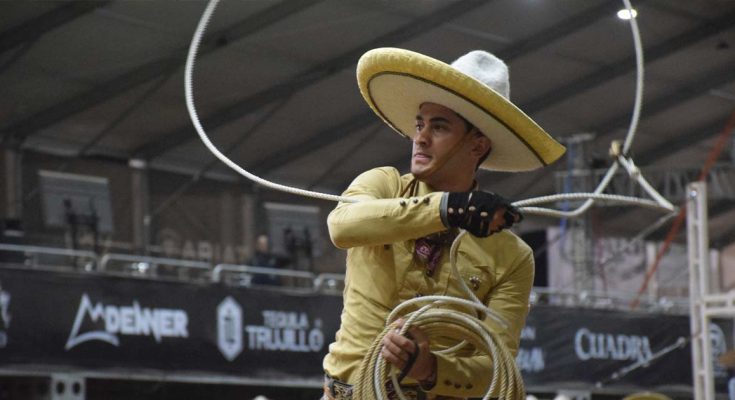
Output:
x,y
340,391
409,393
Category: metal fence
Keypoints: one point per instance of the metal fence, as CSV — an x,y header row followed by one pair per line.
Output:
x,y
148,267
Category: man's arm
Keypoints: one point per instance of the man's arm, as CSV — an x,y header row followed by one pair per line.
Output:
x,y
380,217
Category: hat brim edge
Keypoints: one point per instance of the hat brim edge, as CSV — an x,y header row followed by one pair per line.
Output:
x,y
405,64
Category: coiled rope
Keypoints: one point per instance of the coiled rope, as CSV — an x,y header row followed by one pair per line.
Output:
x,y
439,318
435,317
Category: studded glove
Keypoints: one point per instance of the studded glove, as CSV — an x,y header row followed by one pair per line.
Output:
x,y
475,212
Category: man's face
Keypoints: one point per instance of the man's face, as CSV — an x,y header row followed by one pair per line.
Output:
x,y
262,244
438,130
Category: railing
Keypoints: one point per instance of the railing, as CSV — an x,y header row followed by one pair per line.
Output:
x,y
330,283
609,300
154,266
246,275
296,280
32,256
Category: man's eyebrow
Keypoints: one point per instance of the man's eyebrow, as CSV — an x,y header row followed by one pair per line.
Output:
x,y
435,119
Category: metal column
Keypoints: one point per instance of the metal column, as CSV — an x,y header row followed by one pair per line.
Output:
x,y
698,253
578,178
140,207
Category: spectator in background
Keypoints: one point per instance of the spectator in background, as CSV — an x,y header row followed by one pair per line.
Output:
x,y
290,243
264,258
307,246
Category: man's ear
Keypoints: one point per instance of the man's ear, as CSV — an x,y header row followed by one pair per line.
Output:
x,y
481,144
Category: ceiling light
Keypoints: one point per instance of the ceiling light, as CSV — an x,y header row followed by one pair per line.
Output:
x,y
626,14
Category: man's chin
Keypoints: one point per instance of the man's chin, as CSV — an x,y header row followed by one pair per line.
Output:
x,y
419,171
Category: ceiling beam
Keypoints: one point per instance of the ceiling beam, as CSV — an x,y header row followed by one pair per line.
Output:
x,y
314,74
676,144
118,85
315,142
680,94
32,29
555,32
627,65
364,139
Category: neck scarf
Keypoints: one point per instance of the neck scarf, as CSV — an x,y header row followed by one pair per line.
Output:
x,y
428,250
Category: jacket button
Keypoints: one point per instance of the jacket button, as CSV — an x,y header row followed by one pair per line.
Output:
x,y
475,282
457,386
415,201
448,382
427,200
469,386
402,202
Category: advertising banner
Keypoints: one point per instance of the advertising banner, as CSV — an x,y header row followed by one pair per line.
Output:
x,y
613,348
127,324
91,321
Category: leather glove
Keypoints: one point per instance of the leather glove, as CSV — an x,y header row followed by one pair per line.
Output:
x,y
479,213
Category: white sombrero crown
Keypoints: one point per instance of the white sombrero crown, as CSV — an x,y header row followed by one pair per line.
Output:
x,y
396,82
486,68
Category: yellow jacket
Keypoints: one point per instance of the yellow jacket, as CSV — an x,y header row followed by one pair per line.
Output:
x,y
379,233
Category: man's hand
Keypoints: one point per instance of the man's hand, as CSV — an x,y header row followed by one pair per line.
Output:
x,y
398,350
480,213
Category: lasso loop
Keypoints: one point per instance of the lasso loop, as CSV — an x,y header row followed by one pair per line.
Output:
x,y
465,326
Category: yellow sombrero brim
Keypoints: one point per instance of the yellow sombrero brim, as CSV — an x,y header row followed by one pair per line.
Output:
x,y
395,82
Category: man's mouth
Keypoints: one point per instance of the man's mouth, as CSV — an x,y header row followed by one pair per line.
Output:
x,y
421,156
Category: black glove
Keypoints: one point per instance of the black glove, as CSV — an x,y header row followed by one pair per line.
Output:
x,y
474,212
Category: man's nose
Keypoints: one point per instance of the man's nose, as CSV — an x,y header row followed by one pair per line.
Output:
x,y
422,136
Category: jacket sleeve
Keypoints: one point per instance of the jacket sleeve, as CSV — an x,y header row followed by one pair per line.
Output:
x,y
471,376
380,217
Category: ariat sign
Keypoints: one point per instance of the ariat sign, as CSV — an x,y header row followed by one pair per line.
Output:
x,y
606,346
112,321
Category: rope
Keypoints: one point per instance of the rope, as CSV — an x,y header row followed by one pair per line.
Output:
x,y
438,318
188,90
467,328
189,94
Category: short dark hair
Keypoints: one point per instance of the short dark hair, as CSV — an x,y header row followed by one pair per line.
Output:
x,y
483,158
469,127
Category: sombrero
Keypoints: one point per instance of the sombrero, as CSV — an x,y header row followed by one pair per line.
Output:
x,y
395,82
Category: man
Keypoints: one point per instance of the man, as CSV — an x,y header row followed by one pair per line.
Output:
x,y
399,232
262,257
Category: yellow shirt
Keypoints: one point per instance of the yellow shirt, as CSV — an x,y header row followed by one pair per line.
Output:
x,y
379,233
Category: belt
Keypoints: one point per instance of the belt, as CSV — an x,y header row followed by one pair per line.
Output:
x,y
337,390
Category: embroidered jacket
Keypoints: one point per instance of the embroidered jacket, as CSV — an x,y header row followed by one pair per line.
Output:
x,y
380,232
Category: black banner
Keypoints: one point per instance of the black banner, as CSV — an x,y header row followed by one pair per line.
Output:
x,y
91,321
584,346
126,324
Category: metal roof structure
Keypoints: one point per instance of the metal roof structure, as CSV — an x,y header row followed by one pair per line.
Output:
x,y
276,91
